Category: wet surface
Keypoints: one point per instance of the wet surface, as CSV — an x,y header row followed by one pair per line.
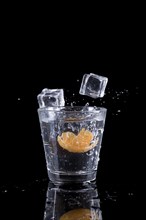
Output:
x,y
36,200
24,183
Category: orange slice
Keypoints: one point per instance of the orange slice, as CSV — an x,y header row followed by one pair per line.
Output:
x,y
66,139
77,143
80,214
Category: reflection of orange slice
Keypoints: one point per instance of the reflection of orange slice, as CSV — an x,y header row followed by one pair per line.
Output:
x,y
80,214
77,143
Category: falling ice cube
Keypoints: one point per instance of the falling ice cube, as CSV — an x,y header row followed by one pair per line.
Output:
x,y
51,98
93,85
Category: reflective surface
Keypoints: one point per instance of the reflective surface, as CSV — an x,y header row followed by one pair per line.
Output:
x,y
44,201
72,202
23,176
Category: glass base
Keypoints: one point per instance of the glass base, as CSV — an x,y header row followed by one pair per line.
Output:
x,y
58,178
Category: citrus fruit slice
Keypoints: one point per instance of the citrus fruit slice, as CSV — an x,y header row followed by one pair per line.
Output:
x,y
80,214
77,143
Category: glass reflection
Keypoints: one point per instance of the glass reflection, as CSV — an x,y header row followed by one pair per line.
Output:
x,y
75,202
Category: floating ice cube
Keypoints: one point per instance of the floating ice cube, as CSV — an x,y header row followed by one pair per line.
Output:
x,y
93,85
51,98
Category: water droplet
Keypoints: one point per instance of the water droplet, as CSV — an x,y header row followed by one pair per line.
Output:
x,y
87,104
95,107
130,194
89,153
96,153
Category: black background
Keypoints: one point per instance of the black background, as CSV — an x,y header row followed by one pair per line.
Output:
x,y
22,155
35,56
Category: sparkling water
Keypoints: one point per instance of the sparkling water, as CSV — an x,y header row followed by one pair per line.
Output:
x,y
61,163
72,135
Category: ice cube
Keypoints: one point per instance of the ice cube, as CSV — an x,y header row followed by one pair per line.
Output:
x,y
93,85
51,98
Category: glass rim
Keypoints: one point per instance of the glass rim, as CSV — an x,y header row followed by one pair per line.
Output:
x,y
73,109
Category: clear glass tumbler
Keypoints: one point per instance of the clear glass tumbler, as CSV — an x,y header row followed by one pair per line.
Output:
x,y
72,139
